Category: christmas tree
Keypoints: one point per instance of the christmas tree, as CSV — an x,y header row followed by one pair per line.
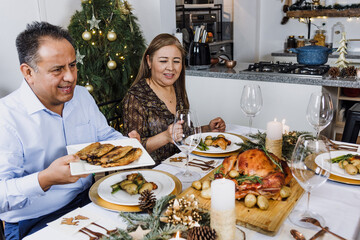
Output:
x,y
341,61
109,46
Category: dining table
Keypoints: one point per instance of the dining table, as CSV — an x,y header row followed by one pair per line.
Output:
x,y
337,202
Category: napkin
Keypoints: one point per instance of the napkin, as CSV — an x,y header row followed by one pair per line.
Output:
x,y
72,229
191,168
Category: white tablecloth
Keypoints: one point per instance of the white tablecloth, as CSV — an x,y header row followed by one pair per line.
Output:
x,y
338,203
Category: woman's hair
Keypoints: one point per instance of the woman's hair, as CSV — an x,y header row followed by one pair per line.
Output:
x,y
28,42
158,42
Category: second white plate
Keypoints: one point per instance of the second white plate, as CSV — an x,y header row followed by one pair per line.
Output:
x,y
335,169
165,186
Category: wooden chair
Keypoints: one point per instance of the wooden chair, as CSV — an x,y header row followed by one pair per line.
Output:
x,y
113,113
352,124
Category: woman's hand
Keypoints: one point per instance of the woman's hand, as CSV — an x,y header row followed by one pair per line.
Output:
x,y
134,134
178,131
217,125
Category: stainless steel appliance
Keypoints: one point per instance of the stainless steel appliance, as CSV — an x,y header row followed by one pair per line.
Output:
x,y
289,68
222,50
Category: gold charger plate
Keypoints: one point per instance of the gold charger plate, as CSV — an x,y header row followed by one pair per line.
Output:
x,y
95,198
344,180
221,154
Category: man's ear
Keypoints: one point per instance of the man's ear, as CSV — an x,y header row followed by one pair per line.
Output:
x,y
27,72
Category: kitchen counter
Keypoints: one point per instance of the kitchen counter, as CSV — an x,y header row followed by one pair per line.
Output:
x,y
220,71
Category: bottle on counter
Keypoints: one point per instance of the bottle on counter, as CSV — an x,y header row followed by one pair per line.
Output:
x,y
291,42
320,37
300,42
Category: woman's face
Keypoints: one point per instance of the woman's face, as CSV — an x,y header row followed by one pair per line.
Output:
x,y
166,65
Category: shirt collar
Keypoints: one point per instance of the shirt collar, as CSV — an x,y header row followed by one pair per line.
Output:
x,y
31,103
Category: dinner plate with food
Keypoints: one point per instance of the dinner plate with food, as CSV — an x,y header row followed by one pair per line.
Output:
x,y
108,156
217,143
125,188
345,164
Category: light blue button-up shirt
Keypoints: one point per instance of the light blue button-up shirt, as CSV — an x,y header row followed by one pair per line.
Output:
x,y
31,138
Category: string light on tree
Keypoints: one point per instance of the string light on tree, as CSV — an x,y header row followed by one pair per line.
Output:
x,y
111,36
86,35
89,87
111,64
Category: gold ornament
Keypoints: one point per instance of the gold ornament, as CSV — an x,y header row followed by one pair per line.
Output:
x,y
111,36
84,1
183,211
86,35
89,87
111,64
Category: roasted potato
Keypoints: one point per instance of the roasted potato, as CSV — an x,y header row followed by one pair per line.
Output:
x,y
262,202
131,188
196,185
124,182
285,192
206,193
233,173
146,186
250,200
221,136
206,184
208,137
355,162
342,164
351,169
208,142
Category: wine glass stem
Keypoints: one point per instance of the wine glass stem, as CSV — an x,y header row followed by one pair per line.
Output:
x,y
308,202
187,172
250,124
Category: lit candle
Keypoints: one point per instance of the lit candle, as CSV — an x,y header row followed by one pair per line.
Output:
x,y
274,130
177,237
222,211
286,128
273,141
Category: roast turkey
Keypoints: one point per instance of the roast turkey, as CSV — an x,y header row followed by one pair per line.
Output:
x,y
260,173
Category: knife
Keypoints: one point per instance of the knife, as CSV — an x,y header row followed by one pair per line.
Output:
x,y
202,165
319,233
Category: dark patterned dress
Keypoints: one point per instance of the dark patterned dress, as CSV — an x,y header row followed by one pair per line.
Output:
x,y
144,112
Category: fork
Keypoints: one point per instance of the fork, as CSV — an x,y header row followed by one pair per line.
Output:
x,y
201,167
205,162
343,146
97,234
107,231
90,237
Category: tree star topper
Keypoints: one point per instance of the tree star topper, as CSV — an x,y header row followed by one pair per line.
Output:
x,y
79,57
139,233
94,23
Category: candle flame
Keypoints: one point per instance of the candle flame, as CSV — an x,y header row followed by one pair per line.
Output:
x,y
283,121
275,119
178,235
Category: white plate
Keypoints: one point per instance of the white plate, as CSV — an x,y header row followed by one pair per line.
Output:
x,y
165,186
335,169
83,167
231,148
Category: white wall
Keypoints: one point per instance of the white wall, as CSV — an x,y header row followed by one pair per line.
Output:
x,y
155,16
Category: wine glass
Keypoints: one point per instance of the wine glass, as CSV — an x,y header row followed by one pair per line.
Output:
x,y
311,166
320,111
251,102
186,136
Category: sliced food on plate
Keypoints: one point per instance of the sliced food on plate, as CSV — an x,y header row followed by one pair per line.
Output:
x,y
109,155
135,183
349,162
214,141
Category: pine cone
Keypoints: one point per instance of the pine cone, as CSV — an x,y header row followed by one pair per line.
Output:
x,y
147,201
343,73
201,233
334,72
350,71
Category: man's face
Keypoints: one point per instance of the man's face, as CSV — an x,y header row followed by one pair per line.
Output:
x,y
55,79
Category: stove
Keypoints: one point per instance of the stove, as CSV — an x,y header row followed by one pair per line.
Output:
x,y
289,68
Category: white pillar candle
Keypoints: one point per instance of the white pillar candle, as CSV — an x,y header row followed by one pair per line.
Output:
x,y
177,237
286,128
222,213
274,130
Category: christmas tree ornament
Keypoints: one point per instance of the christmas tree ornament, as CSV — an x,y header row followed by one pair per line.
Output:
x,y
94,23
341,61
86,35
201,233
139,233
79,57
147,201
84,1
183,211
111,64
111,36
89,87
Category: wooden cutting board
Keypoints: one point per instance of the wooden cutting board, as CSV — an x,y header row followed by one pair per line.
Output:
x,y
263,221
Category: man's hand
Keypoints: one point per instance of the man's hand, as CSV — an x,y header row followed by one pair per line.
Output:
x,y
217,125
58,173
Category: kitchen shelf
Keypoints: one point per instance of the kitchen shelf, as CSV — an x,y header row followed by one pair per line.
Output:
x,y
355,12
355,99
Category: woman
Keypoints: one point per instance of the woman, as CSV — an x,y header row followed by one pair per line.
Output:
x,y
156,94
